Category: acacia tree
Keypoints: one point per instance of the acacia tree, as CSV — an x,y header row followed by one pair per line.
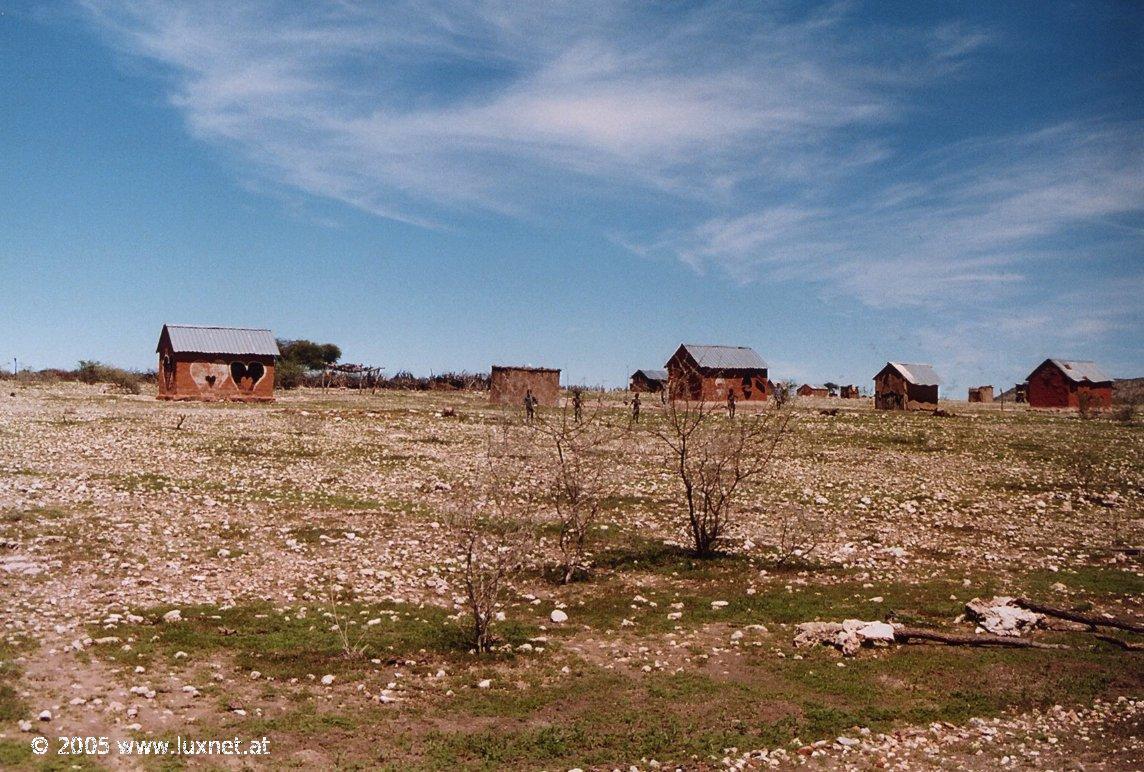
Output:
x,y
577,484
715,459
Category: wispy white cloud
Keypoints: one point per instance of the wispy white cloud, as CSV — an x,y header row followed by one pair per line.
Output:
x,y
988,216
415,110
765,135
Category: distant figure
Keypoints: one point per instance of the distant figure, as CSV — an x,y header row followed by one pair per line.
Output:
x,y
636,408
529,406
577,404
730,404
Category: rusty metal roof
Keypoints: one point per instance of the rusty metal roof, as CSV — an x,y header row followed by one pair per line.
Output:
x,y
193,339
725,357
1077,370
527,368
917,374
652,375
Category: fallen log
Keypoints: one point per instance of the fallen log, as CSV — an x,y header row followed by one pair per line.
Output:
x,y
1076,616
1122,644
905,634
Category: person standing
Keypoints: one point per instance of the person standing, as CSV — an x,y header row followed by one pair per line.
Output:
x,y
577,404
730,403
529,406
636,408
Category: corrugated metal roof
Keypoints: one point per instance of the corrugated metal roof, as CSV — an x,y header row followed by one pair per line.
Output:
x,y
194,339
527,368
725,357
653,375
917,374
1078,370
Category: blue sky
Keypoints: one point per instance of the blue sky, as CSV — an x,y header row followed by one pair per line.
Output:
x,y
443,186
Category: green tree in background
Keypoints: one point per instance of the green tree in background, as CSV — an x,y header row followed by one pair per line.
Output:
x,y
298,356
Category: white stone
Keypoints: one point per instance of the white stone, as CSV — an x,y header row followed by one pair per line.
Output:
x,y
174,615
327,679
558,616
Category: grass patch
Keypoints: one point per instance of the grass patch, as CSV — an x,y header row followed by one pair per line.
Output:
x,y
600,718
292,644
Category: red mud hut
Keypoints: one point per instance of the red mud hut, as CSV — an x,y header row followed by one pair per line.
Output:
x,y
648,381
902,386
709,373
850,392
216,363
812,390
508,385
1068,383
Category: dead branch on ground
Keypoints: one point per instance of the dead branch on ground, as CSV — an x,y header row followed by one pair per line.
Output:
x,y
1076,616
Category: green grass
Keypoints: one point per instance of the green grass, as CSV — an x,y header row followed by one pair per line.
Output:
x,y
600,718
12,706
282,645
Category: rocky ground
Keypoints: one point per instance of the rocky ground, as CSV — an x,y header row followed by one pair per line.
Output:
x,y
268,528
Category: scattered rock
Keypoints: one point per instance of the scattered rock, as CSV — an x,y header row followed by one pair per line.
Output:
x,y
1001,616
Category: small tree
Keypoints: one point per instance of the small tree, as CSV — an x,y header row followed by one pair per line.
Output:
x,y
715,460
307,353
492,539
288,374
576,479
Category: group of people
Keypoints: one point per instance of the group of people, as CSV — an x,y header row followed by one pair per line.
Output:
x,y
530,403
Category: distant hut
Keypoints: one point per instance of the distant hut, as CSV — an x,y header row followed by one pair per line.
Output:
x,y
1066,383
648,380
901,386
710,373
216,363
1021,393
508,385
982,394
850,392
812,390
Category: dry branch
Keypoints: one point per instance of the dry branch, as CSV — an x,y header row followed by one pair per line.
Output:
x,y
1076,616
1121,643
906,634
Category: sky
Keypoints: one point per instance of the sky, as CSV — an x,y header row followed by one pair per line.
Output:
x,y
443,186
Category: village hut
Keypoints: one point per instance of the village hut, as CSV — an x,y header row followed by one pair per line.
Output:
x,y
216,363
850,392
508,385
902,386
710,373
813,390
983,394
648,381
1068,383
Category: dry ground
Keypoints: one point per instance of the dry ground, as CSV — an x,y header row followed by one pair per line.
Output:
x,y
246,518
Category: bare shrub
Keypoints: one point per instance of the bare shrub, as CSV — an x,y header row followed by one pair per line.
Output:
x,y
488,523
799,532
715,459
353,645
575,467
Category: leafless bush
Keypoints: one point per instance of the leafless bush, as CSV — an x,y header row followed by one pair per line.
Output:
x,y
799,533
715,459
492,536
575,468
353,645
